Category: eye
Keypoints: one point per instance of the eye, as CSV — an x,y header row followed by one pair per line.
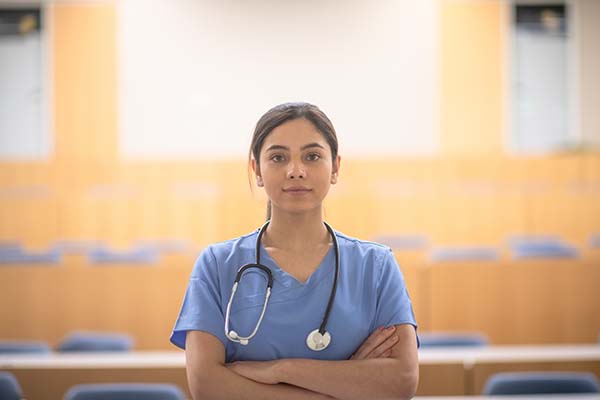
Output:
x,y
277,158
313,156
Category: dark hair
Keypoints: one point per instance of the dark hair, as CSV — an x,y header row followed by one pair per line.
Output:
x,y
283,113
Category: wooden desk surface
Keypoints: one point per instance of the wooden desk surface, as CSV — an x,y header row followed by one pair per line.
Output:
x,y
578,396
437,356
510,354
104,360
443,371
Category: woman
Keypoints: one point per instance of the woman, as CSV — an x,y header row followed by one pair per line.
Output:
x,y
321,334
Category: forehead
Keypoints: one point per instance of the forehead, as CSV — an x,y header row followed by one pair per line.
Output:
x,y
295,134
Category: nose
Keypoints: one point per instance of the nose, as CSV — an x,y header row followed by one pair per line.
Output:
x,y
296,171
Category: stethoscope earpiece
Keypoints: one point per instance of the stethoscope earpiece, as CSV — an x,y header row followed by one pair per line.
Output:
x,y
315,340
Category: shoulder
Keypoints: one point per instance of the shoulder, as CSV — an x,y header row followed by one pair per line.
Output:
x,y
226,252
350,243
244,243
371,252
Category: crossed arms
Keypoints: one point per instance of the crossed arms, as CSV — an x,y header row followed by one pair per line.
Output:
x,y
385,366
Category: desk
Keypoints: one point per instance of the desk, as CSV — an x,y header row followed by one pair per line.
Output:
x,y
443,371
48,377
516,397
480,363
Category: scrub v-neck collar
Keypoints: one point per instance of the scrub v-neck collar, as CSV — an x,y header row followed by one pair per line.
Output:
x,y
289,281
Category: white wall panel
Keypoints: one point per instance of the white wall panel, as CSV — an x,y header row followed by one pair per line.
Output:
x,y
195,76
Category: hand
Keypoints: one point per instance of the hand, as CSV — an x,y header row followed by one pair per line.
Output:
x,y
378,345
258,371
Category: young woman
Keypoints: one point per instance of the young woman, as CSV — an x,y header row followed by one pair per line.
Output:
x,y
315,313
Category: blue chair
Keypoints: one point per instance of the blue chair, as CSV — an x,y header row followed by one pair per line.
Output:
x,y
125,391
23,346
509,383
136,255
16,255
464,253
9,387
443,339
10,246
93,341
531,247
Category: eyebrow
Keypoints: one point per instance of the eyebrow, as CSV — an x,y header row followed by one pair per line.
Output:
x,y
306,146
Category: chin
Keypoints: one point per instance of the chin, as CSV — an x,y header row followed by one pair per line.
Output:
x,y
300,209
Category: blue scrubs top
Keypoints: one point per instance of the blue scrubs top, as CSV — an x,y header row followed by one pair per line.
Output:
x,y
371,293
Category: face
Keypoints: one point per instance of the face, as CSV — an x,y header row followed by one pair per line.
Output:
x,y
296,168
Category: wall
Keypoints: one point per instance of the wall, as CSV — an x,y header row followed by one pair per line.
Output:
x,y
471,192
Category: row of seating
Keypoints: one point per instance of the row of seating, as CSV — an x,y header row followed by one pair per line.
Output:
x,y
74,342
529,383
521,247
521,383
509,383
94,341
147,252
502,383
515,383
11,390
142,252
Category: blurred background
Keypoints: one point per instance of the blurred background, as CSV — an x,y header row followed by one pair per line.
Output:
x,y
469,134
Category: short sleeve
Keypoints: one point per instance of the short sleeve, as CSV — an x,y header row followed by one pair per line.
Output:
x,y
394,306
201,309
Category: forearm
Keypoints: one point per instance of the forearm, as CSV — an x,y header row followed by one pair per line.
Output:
x,y
218,382
382,378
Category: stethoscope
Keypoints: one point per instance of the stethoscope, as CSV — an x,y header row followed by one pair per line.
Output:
x,y
316,340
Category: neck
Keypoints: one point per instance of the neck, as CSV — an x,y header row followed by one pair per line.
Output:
x,y
296,232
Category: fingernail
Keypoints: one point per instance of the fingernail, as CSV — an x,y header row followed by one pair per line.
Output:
x,y
391,328
380,328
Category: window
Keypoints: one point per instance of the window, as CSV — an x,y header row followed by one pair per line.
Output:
x,y
23,115
542,82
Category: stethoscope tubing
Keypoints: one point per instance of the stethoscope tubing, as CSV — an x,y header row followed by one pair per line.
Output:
x,y
234,336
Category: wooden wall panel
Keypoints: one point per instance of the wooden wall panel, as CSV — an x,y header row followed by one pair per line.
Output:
x,y
470,193
84,81
513,303
518,302
142,301
472,76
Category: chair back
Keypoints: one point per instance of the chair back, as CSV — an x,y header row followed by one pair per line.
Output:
x,y
441,339
125,391
23,346
9,387
508,383
95,341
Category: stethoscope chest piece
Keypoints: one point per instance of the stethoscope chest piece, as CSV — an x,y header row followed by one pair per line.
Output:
x,y
317,341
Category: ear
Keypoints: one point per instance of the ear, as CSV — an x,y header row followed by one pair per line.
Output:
x,y
256,170
335,170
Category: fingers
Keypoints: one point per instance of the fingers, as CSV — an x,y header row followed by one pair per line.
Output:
x,y
385,348
377,344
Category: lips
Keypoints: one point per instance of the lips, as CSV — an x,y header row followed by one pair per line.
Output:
x,y
296,189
